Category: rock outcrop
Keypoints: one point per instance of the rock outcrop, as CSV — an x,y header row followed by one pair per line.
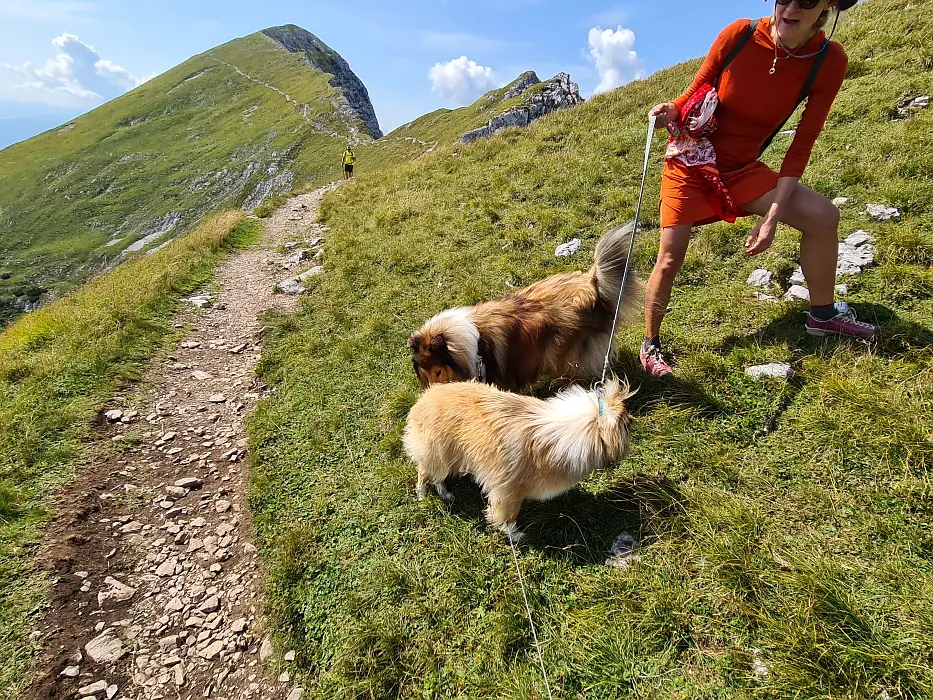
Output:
x,y
524,81
539,99
354,102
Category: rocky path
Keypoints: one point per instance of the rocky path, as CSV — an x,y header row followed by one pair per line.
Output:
x,y
157,584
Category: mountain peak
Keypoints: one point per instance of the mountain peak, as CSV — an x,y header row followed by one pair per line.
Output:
x,y
355,100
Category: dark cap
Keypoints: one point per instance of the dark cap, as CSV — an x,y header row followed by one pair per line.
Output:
x,y
846,4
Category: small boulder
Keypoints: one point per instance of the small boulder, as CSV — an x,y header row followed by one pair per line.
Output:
x,y
780,370
106,648
313,272
265,650
839,202
856,253
213,651
239,626
114,415
93,688
290,286
200,300
912,104
760,278
882,212
116,592
568,248
859,238
210,605
624,552
797,293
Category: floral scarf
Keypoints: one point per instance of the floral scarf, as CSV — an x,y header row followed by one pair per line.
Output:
x,y
690,144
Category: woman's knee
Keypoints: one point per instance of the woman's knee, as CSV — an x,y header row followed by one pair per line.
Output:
x,y
669,264
672,251
815,215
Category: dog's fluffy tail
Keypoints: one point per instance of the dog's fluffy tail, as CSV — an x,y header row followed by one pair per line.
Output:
x,y
611,256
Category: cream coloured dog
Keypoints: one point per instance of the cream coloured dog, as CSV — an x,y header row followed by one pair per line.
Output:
x,y
516,447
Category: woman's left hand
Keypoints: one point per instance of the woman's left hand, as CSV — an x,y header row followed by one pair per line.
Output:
x,y
762,236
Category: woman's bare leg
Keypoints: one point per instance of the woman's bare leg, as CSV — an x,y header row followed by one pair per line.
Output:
x,y
671,254
817,219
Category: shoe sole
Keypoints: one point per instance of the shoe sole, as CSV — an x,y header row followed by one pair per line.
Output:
x,y
657,376
820,333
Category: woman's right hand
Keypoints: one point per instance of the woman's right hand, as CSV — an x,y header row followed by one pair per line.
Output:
x,y
664,114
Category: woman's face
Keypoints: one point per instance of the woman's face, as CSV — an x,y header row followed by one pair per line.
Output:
x,y
794,23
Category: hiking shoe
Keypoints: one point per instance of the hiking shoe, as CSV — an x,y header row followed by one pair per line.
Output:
x,y
843,323
653,362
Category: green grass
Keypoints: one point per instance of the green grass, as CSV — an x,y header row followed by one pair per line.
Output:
x,y
58,366
789,518
196,139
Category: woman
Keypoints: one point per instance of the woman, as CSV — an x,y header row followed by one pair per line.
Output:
x,y
757,90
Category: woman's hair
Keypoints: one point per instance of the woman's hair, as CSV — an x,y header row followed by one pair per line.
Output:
x,y
838,6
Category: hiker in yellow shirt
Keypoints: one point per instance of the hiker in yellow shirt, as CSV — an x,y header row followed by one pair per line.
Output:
x,y
348,160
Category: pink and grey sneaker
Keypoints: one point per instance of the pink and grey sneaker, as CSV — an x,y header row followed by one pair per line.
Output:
x,y
843,323
653,362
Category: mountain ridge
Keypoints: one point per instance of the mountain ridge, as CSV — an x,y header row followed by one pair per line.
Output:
x,y
229,127
319,55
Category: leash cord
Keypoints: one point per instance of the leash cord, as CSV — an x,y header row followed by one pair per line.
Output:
x,y
631,245
534,633
628,262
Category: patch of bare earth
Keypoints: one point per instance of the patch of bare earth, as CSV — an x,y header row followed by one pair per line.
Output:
x,y
157,586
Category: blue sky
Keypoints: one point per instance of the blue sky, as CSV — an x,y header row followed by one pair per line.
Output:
x,y
413,55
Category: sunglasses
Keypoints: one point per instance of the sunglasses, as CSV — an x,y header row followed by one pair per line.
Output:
x,y
804,4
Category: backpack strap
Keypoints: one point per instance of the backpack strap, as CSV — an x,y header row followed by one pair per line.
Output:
x,y
737,47
804,92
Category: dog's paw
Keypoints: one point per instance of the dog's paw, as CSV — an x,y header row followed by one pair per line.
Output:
x,y
517,537
514,535
421,491
444,493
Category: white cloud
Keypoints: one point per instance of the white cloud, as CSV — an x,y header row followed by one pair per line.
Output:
x,y
612,52
461,80
75,77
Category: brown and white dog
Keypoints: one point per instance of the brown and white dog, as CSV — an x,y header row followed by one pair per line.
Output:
x,y
560,327
516,447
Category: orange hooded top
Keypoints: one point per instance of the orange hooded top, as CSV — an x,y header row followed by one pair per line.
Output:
x,y
753,103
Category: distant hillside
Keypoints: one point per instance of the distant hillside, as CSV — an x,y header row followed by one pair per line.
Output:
x,y
229,127
523,100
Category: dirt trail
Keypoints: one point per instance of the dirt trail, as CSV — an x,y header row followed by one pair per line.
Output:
x,y
157,588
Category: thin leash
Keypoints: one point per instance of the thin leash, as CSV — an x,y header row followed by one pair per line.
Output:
x,y
534,632
631,248
628,262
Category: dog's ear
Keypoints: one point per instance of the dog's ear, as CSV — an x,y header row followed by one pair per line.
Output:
x,y
439,342
414,342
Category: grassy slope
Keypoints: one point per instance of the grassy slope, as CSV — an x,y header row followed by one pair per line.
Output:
x,y
788,518
442,126
58,365
171,145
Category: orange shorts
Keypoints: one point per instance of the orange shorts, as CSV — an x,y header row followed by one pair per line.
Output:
x,y
683,202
